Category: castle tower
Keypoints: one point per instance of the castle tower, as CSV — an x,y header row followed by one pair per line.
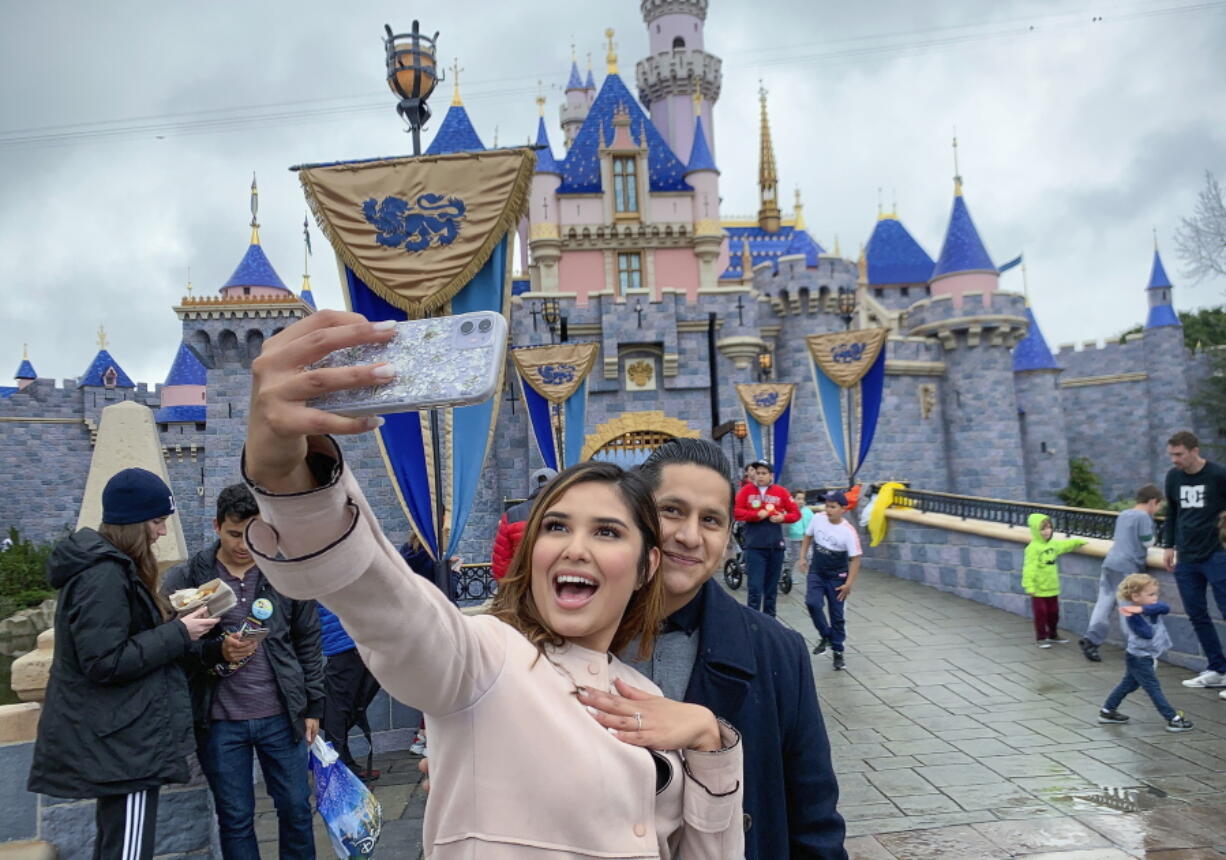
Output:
x,y
183,393
703,176
1166,366
897,268
769,216
544,238
964,265
589,84
254,276
1036,384
578,99
25,371
677,65
456,133
982,432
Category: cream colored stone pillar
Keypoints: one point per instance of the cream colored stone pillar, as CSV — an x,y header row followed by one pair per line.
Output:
x,y
128,438
31,671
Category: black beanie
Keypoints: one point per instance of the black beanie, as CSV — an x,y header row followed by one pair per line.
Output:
x,y
135,496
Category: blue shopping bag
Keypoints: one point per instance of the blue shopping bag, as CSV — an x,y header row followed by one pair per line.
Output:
x,y
349,809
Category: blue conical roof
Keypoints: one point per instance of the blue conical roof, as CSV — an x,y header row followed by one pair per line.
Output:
x,y
95,374
187,368
894,257
700,153
1157,275
1031,352
254,270
309,297
25,370
574,82
963,250
590,83
545,162
456,134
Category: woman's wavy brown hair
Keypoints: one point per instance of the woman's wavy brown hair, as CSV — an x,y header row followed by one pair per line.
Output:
x,y
513,602
133,541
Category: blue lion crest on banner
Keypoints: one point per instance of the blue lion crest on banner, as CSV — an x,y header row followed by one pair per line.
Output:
x,y
433,220
557,374
766,399
848,353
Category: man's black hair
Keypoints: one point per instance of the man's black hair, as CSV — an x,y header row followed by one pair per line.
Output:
x,y
688,452
236,503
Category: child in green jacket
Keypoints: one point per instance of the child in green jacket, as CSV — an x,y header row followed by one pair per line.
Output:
x,y
1041,577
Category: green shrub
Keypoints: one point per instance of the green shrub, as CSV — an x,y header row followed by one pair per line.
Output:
x,y
1084,488
23,574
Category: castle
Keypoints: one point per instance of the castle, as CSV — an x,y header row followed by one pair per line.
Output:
x,y
624,243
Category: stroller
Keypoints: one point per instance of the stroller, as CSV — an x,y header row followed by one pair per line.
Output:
x,y
734,568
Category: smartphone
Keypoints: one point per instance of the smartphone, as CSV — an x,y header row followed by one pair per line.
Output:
x,y
247,634
443,361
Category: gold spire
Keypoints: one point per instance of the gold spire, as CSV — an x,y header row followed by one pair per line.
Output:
x,y
957,173
611,56
455,82
880,208
102,341
589,63
189,280
255,208
837,251
800,211
540,98
768,180
25,352
574,58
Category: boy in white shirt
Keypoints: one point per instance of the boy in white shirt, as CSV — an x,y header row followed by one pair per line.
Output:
x,y
832,572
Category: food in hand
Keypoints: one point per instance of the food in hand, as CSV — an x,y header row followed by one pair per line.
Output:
x,y
187,596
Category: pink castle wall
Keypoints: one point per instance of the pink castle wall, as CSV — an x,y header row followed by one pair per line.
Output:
x,y
580,210
677,268
968,282
182,395
581,272
260,292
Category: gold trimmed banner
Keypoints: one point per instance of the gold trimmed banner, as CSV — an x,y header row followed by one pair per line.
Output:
x,y
765,401
845,356
556,372
416,230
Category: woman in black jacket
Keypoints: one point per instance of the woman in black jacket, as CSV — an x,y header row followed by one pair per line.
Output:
x,y
117,722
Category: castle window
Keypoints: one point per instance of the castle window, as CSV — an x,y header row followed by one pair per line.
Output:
x,y
625,185
246,291
678,42
630,271
878,292
905,291
110,377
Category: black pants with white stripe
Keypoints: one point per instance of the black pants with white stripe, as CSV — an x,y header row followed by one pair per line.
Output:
x,y
126,825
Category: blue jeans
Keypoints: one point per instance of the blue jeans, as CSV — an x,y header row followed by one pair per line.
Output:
x,y
1139,675
1192,577
1100,616
762,568
821,589
225,757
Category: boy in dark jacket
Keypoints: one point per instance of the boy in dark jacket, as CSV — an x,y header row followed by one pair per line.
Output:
x,y
257,689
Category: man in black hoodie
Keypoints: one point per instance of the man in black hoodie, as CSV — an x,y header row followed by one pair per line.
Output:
x,y
254,692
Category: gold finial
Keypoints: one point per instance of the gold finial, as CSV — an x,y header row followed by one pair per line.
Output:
x,y
540,97
837,251
189,280
25,352
255,208
611,56
880,209
697,96
768,179
102,341
894,202
589,61
957,173
800,211
1155,238
455,82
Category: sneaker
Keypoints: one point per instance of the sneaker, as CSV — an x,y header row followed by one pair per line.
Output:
x,y
1179,723
418,747
1090,650
1207,678
838,660
821,646
1043,643
1056,641
1111,716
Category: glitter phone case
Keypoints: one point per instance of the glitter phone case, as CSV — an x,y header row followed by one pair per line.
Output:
x,y
444,361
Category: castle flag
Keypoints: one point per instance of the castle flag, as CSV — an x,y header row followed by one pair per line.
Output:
x,y
768,407
853,361
1016,261
554,380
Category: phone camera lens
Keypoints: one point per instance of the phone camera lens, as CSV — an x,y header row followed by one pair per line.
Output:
x,y
485,325
467,327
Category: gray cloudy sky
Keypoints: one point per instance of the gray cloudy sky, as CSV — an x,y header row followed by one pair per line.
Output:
x,y
128,133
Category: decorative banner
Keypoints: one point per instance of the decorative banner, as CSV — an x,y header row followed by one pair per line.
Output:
x,y
768,405
554,380
850,366
846,356
415,231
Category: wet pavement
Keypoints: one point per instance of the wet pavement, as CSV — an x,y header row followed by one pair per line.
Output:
x,y
955,737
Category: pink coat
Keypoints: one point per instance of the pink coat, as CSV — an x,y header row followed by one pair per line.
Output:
x,y
520,769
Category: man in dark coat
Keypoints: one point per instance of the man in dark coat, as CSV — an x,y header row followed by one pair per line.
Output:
x,y
257,689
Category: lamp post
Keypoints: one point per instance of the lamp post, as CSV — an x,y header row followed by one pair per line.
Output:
x,y
551,314
846,305
740,430
412,74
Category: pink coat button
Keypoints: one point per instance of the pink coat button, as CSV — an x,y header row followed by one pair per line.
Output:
x,y
640,830
593,668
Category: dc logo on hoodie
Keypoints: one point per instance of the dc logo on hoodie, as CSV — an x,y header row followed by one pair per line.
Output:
x,y
1192,497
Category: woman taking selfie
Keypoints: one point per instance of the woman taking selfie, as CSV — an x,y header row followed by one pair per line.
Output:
x,y
530,768
117,721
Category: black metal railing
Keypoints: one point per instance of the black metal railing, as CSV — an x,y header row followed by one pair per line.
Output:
x,y
474,584
1081,522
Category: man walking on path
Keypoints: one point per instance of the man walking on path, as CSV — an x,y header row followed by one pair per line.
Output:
x,y
1195,497
764,508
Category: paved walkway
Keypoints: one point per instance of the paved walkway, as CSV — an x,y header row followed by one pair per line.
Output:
x,y
955,737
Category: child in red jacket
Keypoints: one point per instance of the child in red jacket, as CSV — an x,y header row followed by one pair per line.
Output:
x,y
764,507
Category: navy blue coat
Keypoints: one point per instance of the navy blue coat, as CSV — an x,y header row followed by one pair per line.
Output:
x,y
755,673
